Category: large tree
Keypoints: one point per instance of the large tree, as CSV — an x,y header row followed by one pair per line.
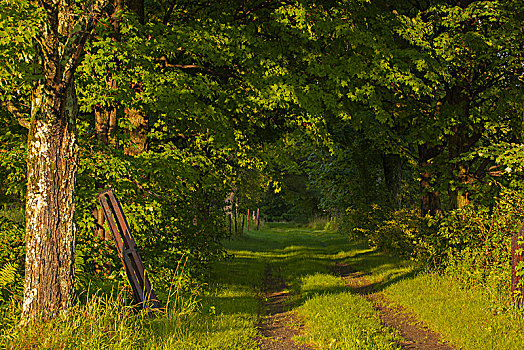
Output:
x,y
57,49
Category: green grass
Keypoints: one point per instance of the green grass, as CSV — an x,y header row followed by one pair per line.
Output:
x,y
334,318
344,321
227,312
106,322
468,317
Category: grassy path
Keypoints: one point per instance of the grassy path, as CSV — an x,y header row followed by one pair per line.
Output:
x,y
294,288
333,316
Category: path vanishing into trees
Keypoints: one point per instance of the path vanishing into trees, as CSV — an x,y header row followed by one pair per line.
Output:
x,y
315,289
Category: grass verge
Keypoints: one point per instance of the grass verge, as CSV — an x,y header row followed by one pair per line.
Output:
x,y
345,321
467,317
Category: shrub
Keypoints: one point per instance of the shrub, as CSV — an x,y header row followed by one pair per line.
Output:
x,y
323,223
360,222
404,233
478,241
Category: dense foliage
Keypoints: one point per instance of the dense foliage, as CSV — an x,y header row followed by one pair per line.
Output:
x,y
403,122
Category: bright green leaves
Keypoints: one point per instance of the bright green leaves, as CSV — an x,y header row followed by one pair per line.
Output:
x,y
19,23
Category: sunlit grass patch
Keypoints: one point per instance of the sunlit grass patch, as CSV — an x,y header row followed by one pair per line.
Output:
x,y
466,316
344,321
206,331
227,312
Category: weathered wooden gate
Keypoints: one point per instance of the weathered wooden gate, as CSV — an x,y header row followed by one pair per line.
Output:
x,y
127,250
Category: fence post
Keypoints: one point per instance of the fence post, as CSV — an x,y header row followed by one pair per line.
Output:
x,y
517,246
127,250
258,218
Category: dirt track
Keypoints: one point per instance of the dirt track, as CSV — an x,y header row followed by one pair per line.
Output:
x,y
278,326
417,336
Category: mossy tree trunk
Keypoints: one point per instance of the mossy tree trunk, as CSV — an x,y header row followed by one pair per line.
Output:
x,y
52,161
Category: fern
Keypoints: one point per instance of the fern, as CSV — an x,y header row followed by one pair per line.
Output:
x,y
7,274
81,276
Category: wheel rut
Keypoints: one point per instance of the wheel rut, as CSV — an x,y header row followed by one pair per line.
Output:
x,y
416,335
278,325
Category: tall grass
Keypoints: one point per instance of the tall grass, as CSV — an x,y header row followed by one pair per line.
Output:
x,y
100,320
323,223
106,320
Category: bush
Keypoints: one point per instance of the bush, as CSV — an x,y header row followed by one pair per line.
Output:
x,y
478,241
406,234
323,223
359,222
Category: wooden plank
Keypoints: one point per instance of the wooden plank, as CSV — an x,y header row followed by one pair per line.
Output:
x,y
127,249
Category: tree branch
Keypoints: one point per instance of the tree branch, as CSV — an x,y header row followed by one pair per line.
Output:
x,y
7,104
169,12
163,60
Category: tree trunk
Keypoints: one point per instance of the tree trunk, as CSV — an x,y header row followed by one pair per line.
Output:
x,y
137,118
50,231
364,168
52,161
392,165
430,197
105,122
137,132
106,118
457,145
235,213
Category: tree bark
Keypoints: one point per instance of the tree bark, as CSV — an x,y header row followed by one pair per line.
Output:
x,y
430,197
138,120
50,231
52,162
458,144
137,132
235,213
